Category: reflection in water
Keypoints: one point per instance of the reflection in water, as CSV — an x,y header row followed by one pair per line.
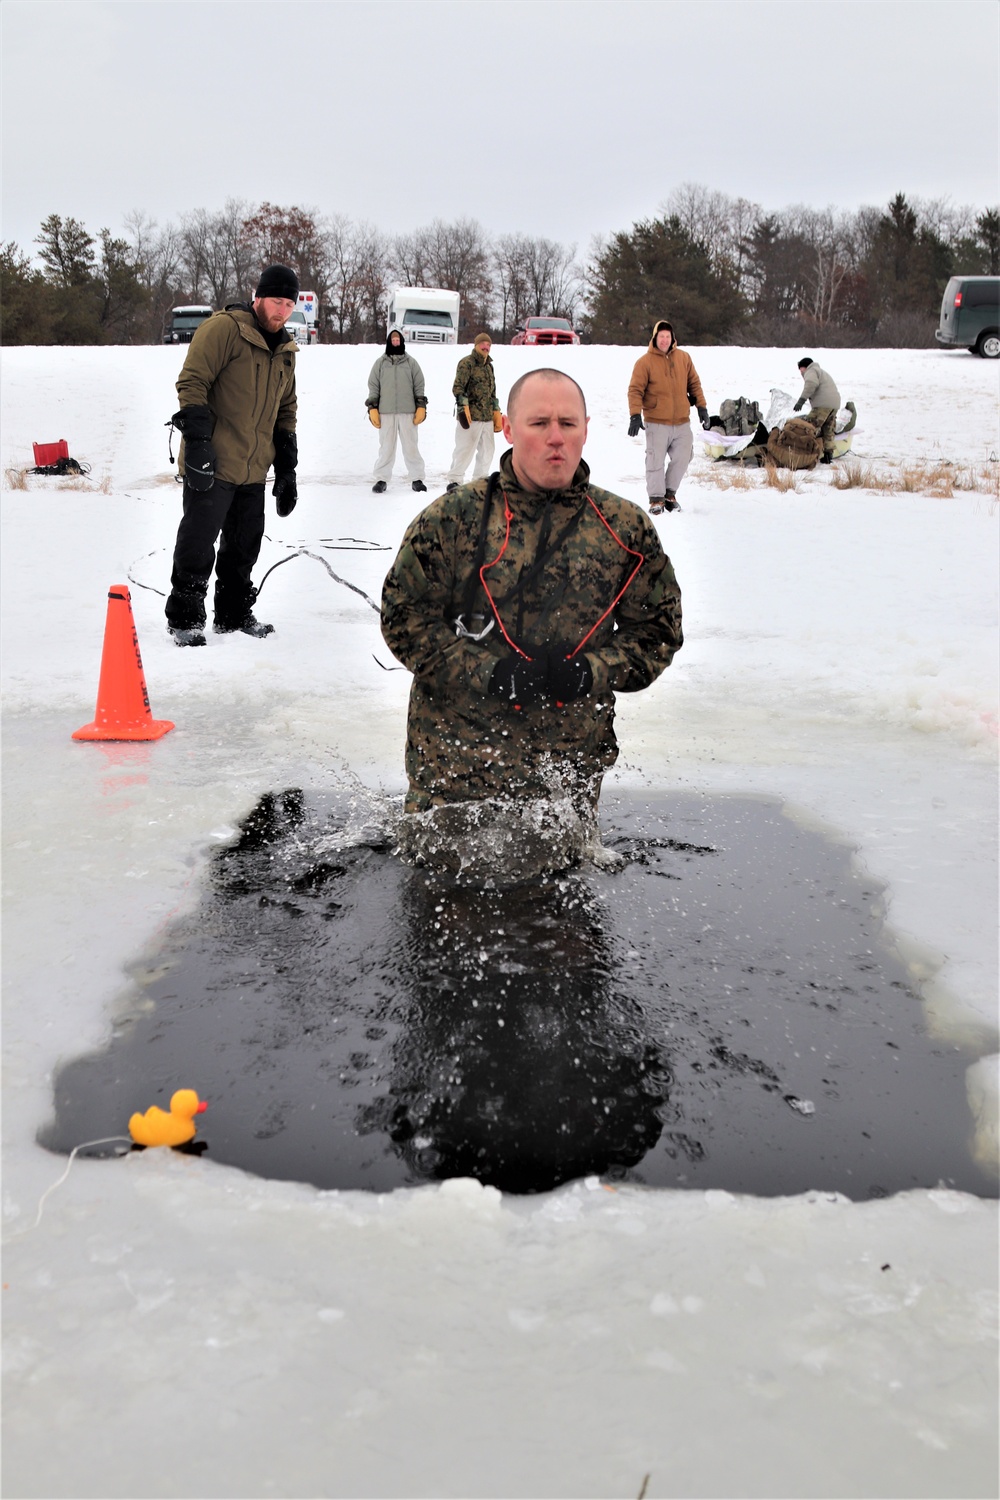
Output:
x,y
517,1062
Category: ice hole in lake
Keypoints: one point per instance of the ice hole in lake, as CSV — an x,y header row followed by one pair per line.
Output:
x,y
723,1010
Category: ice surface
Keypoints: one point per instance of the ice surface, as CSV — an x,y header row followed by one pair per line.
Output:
x,y
173,1326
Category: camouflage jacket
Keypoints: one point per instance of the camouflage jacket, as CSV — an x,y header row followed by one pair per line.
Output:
x,y
463,743
475,387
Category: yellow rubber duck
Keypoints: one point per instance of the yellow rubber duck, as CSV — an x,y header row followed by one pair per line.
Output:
x,y
158,1128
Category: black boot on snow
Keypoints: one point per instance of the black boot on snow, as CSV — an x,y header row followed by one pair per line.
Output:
x,y
249,625
827,458
419,486
670,502
192,637
378,488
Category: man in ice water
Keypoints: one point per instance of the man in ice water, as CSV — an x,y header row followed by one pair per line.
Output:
x,y
522,603
237,417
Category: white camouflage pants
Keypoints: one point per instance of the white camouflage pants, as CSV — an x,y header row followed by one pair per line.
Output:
x,y
669,447
479,439
398,425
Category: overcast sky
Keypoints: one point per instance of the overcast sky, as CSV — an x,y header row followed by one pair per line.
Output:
x,y
562,118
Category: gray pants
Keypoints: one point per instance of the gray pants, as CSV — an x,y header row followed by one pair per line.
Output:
x,y
669,447
476,439
398,425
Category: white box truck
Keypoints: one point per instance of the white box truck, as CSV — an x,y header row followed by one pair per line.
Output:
x,y
424,314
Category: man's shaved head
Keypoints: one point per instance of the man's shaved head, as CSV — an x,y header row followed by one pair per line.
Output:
x,y
544,374
546,426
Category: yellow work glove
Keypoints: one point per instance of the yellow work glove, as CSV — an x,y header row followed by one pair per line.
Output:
x,y
374,417
498,421
419,415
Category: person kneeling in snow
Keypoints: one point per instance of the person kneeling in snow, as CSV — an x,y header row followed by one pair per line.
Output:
x,y
522,603
396,406
824,402
237,417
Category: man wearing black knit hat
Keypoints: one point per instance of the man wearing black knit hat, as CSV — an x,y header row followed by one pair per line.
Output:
x,y
237,417
819,390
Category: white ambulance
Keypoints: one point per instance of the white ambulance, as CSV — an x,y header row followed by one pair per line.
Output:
x,y
309,308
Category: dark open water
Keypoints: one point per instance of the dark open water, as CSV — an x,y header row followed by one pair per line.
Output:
x,y
721,1012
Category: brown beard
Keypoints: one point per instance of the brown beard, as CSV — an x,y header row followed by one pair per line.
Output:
x,y
269,324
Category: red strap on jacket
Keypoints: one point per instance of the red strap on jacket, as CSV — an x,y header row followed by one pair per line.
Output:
x,y
508,517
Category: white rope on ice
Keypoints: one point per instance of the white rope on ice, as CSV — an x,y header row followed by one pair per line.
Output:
x,y
104,1140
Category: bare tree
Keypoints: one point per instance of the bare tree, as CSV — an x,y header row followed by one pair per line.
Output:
x,y
372,259
357,274
217,256
552,279
704,213
510,281
157,254
827,235
455,256
409,258
723,225
291,237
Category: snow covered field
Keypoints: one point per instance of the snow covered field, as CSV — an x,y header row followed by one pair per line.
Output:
x,y
176,1327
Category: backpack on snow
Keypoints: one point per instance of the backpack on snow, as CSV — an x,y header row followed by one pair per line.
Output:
x,y
796,445
740,417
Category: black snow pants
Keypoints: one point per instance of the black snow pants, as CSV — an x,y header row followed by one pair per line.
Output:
x,y
237,511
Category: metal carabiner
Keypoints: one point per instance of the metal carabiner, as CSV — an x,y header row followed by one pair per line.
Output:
x,y
462,630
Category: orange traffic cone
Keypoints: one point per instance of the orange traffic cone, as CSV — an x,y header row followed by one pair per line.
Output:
x,y
123,711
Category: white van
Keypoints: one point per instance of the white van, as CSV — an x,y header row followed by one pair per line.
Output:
x,y
424,314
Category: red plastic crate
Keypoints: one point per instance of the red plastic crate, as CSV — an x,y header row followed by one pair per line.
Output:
x,y
47,454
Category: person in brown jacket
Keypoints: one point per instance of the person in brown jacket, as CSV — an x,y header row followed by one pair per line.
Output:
x,y
237,418
663,388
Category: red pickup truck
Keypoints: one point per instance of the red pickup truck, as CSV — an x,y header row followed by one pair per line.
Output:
x,y
546,331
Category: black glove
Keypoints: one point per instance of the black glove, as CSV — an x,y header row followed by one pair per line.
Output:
x,y
569,677
464,416
199,463
703,417
196,424
286,457
285,492
800,403
635,425
519,681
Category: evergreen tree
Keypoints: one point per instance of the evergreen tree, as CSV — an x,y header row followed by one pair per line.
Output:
x,y
124,298
25,301
66,251
908,265
988,238
978,253
657,270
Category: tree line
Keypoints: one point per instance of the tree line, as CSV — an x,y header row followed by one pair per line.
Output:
x,y
722,269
